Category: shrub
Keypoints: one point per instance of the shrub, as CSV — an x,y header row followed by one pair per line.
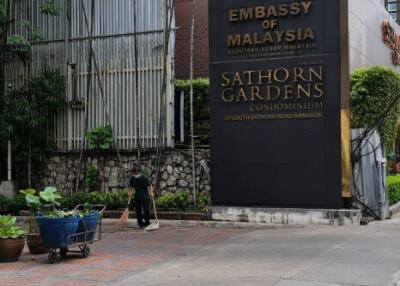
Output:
x,y
12,206
112,200
203,201
181,200
393,188
165,201
92,179
178,200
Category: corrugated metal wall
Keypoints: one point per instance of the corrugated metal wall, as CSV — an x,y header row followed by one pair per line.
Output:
x,y
113,42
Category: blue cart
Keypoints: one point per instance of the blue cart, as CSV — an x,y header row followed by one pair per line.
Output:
x,y
61,234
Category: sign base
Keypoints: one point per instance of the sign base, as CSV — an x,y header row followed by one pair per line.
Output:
x,y
332,217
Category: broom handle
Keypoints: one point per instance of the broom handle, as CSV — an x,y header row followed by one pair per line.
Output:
x,y
154,203
154,207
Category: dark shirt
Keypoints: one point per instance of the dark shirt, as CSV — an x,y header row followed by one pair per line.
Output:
x,y
140,185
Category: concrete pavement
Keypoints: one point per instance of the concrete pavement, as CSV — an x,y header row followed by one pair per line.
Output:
x,y
307,256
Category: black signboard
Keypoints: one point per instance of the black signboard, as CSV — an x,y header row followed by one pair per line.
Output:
x,y
275,103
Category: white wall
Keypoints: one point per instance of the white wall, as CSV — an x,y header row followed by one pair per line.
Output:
x,y
366,45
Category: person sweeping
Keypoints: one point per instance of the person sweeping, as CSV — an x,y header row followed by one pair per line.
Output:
x,y
143,193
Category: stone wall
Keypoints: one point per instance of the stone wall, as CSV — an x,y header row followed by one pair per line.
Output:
x,y
175,175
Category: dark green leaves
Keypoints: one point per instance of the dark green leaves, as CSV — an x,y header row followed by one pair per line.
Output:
x,y
100,138
373,90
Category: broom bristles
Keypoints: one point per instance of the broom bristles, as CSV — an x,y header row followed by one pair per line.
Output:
x,y
123,220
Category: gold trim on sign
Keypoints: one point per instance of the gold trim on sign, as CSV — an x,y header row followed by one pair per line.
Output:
x,y
345,101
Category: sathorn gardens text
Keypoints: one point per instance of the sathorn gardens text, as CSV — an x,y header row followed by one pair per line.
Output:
x,y
298,89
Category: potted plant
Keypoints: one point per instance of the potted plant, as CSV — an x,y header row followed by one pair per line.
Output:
x,y
33,238
55,226
12,239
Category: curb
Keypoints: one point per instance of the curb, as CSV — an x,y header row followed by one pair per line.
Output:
x,y
209,224
394,209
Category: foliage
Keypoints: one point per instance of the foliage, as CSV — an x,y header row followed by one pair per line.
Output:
x,y
393,188
181,200
203,201
100,138
112,200
373,91
61,214
28,115
92,179
33,203
8,228
178,200
12,205
201,108
200,89
165,201
50,8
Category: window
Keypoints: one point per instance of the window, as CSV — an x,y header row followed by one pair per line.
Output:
x,y
392,7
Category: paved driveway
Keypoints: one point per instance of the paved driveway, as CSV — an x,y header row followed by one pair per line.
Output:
x,y
310,256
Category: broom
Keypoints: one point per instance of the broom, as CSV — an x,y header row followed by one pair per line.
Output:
x,y
155,225
123,220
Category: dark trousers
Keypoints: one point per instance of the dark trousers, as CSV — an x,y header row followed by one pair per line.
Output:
x,y
139,205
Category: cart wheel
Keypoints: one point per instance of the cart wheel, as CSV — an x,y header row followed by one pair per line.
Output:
x,y
52,256
63,252
86,251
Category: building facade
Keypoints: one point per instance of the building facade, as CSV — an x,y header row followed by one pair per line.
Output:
x,y
64,48
393,7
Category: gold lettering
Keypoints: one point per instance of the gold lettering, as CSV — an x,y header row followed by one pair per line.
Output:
x,y
295,9
255,92
234,40
242,94
269,92
317,74
225,78
267,76
279,35
283,10
285,75
271,11
236,79
247,40
308,34
306,5
249,75
227,97
290,35
302,90
299,73
288,92
260,12
246,14
319,88
233,15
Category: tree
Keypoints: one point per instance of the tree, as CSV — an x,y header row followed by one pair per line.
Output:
x,y
375,91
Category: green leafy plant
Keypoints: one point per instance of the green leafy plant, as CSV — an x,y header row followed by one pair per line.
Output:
x,y
178,200
9,229
12,205
373,91
100,138
92,178
112,200
33,203
50,8
165,201
181,200
393,188
203,201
